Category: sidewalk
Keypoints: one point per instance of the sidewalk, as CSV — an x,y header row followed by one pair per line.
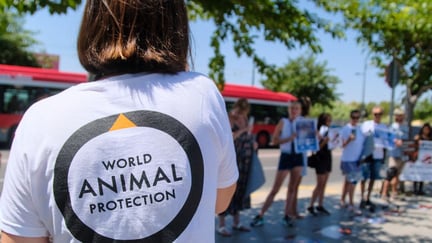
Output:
x,y
408,219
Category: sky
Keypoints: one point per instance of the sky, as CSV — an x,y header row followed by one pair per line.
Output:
x,y
347,60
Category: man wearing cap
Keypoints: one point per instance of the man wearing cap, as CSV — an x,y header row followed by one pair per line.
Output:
x,y
371,169
395,164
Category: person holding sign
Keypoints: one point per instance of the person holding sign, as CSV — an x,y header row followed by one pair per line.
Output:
x,y
352,144
371,169
425,133
290,162
323,167
244,145
395,164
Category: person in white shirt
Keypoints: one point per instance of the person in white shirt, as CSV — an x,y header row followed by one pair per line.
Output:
x,y
290,162
371,169
352,144
143,154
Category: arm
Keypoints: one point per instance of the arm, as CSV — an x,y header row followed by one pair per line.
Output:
x,y
223,198
8,238
276,139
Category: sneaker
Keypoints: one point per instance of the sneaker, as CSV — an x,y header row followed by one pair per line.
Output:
x,y
362,204
354,211
311,210
321,209
257,221
369,203
288,221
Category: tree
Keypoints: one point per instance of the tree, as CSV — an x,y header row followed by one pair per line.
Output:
x,y
54,6
305,76
397,30
15,41
242,22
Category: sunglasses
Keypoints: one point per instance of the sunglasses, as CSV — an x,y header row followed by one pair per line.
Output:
x,y
378,114
355,117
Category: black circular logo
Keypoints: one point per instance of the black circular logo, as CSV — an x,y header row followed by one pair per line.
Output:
x,y
142,119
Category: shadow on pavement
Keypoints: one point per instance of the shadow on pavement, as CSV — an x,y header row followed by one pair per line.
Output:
x,y
407,220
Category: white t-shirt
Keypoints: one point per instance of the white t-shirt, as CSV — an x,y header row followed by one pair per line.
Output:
x,y
369,127
127,158
352,151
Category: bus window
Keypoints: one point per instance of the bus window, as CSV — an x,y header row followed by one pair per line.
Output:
x,y
266,117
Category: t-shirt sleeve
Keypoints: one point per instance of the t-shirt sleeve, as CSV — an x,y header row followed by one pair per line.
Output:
x,y
18,215
227,161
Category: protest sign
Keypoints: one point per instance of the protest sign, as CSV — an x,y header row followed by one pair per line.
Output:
x,y
421,168
306,139
384,138
335,140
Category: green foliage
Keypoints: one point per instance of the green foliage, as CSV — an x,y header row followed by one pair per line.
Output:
x,y
305,76
244,22
26,6
399,29
15,41
423,110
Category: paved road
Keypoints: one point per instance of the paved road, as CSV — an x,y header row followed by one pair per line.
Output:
x,y
406,220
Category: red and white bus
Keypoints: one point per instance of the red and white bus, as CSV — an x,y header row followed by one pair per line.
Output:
x,y
22,86
267,107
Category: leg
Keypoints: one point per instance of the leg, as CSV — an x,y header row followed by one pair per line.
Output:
x,y
362,189
351,189
314,192
394,183
280,177
384,192
370,188
322,182
344,192
294,182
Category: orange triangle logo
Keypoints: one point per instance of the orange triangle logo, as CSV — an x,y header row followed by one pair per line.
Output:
x,y
121,123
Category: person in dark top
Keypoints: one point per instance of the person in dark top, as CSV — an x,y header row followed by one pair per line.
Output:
x,y
323,167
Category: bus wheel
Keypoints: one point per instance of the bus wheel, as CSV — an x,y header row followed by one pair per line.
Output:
x,y
263,139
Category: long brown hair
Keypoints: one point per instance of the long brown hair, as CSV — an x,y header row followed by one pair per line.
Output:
x,y
131,36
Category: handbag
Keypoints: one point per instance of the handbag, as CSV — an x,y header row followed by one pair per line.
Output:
x,y
256,177
312,160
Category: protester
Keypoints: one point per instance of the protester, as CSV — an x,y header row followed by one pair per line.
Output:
x,y
290,162
371,168
143,154
396,162
352,144
244,146
323,167
425,133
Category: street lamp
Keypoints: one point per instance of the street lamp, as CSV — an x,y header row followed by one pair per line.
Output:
x,y
363,105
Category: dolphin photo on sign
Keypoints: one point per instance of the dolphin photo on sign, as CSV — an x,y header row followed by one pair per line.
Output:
x,y
306,139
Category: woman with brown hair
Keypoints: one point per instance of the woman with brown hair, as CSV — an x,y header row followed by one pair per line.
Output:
x,y
323,167
244,146
143,154
425,133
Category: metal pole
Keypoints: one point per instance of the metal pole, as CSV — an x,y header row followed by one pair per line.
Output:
x,y
363,105
253,73
393,81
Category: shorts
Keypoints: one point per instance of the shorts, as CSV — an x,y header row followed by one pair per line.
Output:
x,y
372,169
289,161
395,168
352,171
324,165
